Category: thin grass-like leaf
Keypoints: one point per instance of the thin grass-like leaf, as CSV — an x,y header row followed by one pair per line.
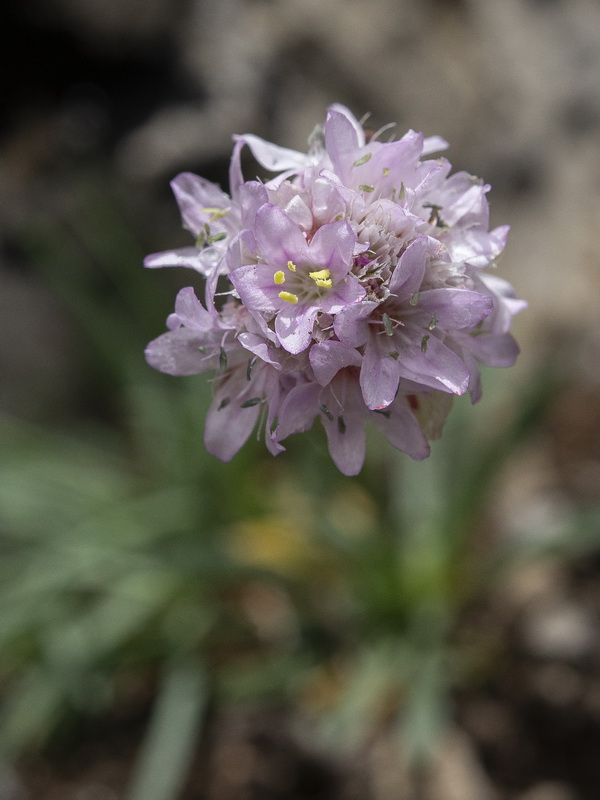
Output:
x,y
168,747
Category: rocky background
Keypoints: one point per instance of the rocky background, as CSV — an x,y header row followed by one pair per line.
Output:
x,y
138,91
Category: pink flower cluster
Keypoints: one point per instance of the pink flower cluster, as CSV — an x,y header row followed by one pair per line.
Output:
x,y
355,289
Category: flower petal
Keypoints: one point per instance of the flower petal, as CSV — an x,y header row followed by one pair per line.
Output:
x,y
332,247
495,350
181,352
410,269
298,410
402,430
380,373
351,324
271,156
228,425
327,358
294,327
431,363
193,194
255,286
205,261
192,313
279,239
456,308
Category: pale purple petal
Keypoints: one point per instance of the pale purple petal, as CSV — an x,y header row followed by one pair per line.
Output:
x,y
390,164
294,327
327,358
228,426
380,373
434,144
495,350
273,157
298,410
193,194
261,348
432,364
204,260
279,239
402,430
192,313
181,352
241,251
299,213
507,305
344,293
409,272
470,202
339,108
476,245
456,308
343,416
347,450
351,324
252,195
256,288
332,247
343,138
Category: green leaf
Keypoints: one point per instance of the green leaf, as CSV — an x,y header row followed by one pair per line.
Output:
x,y
168,747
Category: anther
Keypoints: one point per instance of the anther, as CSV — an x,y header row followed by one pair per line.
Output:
x,y
291,266
288,297
215,213
321,277
279,277
327,412
363,160
253,401
251,363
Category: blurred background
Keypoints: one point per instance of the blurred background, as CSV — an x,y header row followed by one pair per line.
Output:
x,y
174,628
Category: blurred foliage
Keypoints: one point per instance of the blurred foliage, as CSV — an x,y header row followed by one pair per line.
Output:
x,y
127,551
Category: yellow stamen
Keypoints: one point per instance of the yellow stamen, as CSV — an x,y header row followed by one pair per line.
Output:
x,y
215,213
291,266
321,278
320,274
288,297
279,277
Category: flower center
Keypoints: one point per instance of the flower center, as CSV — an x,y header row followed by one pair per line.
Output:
x,y
305,285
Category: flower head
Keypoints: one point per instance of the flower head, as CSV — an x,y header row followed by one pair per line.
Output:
x,y
358,292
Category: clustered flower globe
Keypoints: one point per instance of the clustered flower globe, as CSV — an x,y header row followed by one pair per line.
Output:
x,y
352,287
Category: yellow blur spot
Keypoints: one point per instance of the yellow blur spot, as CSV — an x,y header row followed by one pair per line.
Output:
x,y
279,277
291,266
273,543
288,297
